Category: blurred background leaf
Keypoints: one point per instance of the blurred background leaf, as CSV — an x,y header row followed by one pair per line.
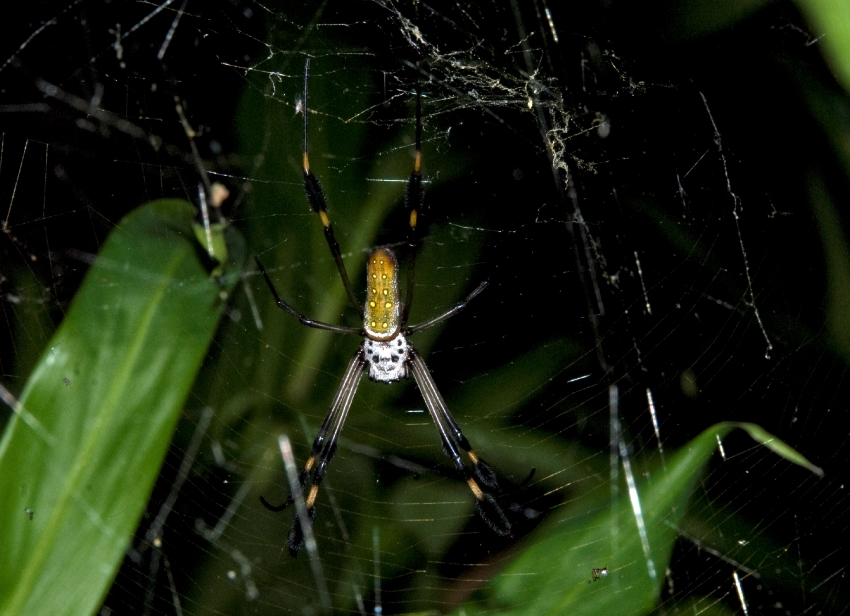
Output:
x,y
80,456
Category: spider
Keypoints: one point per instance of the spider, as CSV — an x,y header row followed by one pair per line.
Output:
x,y
385,351
598,574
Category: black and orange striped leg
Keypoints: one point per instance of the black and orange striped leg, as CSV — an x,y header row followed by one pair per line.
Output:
x,y
481,470
414,202
324,447
451,437
318,203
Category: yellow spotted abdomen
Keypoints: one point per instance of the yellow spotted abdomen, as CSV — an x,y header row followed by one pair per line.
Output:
x,y
382,314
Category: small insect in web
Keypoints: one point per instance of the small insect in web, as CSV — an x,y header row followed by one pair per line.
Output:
x,y
597,574
385,351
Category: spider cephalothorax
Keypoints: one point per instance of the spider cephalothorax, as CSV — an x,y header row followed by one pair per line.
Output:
x,y
387,360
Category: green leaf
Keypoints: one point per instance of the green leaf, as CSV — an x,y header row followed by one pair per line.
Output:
x,y
79,457
214,238
780,448
830,21
633,538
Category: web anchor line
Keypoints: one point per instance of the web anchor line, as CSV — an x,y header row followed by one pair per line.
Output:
x,y
736,202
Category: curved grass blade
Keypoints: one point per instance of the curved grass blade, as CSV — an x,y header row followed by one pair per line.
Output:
x,y
79,457
555,574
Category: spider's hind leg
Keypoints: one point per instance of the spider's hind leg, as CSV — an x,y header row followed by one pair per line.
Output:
x,y
298,532
489,510
295,540
303,480
481,470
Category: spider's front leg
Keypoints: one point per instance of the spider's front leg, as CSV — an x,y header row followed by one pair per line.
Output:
x,y
324,447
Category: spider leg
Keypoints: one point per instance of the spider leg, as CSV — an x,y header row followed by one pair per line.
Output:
x,y
323,450
451,437
481,469
413,201
306,321
318,203
448,313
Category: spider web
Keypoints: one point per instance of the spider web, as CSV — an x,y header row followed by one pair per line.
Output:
x,y
647,195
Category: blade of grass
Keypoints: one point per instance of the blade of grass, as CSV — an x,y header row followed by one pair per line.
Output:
x,y
91,428
553,575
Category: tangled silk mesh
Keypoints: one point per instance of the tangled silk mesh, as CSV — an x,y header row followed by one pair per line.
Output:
x,y
650,200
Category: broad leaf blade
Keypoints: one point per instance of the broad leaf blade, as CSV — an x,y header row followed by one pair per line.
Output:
x,y
94,421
